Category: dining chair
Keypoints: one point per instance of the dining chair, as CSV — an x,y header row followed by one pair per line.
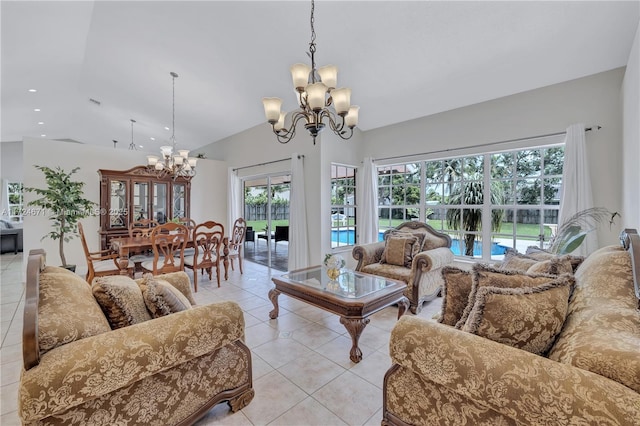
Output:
x,y
191,225
236,242
101,263
168,242
141,228
208,240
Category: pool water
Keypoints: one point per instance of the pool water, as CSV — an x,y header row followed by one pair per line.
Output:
x,y
347,236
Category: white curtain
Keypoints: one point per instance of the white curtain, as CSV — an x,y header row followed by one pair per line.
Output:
x,y
234,201
576,183
298,240
369,206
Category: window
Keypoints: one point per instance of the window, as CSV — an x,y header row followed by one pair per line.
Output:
x,y
343,205
15,201
518,208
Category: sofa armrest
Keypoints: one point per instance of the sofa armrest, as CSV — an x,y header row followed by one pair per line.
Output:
x,y
88,368
429,260
367,254
520,385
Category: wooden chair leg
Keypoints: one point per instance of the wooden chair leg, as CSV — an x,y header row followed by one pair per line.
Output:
x,y
240,263
218,274
195,280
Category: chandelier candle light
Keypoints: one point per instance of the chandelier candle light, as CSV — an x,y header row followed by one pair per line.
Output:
x,y
175,165
316,91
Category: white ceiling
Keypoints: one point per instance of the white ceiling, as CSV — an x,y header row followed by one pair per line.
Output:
x,y
403,60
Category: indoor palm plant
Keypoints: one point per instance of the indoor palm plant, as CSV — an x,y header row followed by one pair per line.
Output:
x,y
572,232
64,203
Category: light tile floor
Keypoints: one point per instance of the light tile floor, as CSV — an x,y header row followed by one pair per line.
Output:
x,y
301,368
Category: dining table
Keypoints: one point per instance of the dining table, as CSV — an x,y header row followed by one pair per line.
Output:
x,y
124,245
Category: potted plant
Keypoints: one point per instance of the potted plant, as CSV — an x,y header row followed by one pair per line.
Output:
x,y
63,200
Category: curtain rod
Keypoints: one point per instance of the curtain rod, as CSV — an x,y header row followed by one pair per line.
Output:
x,y
264,164
587,129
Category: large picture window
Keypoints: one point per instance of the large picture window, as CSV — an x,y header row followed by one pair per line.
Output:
x,y
486,202
343,206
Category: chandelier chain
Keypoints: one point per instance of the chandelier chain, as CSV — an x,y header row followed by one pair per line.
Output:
x,y
173,108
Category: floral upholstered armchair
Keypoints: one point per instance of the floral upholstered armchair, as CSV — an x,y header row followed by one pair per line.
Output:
x,y
412,252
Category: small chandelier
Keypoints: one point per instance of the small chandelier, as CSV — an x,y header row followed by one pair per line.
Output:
x,y
316,91
170,164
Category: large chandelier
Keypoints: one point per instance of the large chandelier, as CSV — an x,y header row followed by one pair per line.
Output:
x,y
318,99
174,163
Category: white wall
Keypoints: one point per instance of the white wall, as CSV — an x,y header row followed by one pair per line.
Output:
x,y
208,189
591,100
631,135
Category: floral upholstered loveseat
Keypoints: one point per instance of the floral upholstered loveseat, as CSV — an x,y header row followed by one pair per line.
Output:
x,y
442,375
83,365
412,252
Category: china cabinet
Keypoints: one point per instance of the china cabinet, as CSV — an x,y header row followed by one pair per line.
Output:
x,y
137,193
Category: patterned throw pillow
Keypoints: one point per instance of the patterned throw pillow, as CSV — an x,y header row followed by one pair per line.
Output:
x,y
487,276
67,311
528,318
121,300
557,265
162,298
514,261
455,294
399,250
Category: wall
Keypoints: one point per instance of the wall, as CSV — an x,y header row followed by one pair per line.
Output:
x,y
208,189
631,134
590,100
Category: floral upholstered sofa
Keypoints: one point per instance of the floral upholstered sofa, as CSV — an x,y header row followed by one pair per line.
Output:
x,y
412,252
586,374
84,363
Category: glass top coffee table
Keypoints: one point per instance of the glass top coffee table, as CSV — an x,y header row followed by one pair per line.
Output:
x,y
353,296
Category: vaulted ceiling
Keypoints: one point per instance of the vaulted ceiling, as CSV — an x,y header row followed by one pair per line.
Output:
x,y
97,65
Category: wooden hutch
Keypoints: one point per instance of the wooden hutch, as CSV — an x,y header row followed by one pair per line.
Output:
x,y
138,193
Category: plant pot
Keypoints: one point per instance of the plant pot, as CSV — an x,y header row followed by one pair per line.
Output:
x,y
71,268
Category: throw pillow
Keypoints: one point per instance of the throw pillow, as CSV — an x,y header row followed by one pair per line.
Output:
x,y
515,261
67,311
554,266
432,242
162,298
419,235
121,300
487,276
528,318
537,253
455,294
399,250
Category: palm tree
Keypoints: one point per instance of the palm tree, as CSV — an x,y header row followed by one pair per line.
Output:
x,y
472,193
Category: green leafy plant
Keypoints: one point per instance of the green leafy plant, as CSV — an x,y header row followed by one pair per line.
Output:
x,y
572,232
63,200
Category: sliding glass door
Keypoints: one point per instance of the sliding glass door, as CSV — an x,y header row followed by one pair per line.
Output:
x,y
266,210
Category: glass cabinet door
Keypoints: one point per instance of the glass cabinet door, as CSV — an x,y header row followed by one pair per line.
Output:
x,y
179,200
141,200
118,208
160,202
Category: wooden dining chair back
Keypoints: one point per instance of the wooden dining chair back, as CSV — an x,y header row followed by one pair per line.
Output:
x,y
168,242
236,242
142,227
100,263
208,241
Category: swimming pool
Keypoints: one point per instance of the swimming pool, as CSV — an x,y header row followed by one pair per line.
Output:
x,y
347,236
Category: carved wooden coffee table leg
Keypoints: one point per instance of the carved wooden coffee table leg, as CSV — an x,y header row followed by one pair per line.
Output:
x,y
273,296
355,326
403,305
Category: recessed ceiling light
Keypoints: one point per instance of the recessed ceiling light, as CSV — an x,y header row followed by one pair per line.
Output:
x,y
40,122
36,109
32,90
166,128
44,136
141,146
153,139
